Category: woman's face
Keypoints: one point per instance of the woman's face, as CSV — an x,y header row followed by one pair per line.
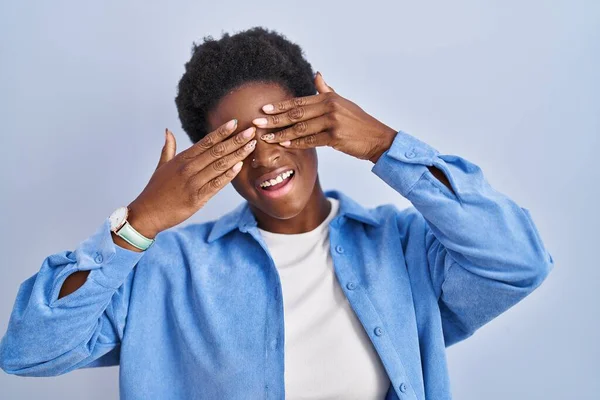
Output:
x,y
287,199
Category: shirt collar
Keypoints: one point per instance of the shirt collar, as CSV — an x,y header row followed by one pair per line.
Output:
x,y
242,217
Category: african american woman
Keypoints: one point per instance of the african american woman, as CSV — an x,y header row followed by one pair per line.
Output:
x,y
297,293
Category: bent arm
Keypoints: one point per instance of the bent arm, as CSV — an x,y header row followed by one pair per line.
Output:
x,y
484,251
48,334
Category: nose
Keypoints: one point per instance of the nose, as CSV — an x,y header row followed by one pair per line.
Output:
x,y
265,154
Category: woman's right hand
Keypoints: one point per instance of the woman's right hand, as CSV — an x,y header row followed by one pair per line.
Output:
x,y
183,183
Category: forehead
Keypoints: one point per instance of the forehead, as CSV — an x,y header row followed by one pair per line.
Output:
x,y
245,103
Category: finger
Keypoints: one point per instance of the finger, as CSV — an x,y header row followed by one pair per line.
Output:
x,y
214,137
219,151
211,188
221,165
320,84
169,148
306,142
292,116
285,105
299,129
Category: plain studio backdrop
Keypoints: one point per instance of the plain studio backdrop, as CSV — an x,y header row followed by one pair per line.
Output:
x,y
87,89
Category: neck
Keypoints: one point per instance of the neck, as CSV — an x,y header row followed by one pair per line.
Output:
x,y
314,213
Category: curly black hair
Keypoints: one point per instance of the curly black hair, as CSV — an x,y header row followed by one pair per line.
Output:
x,y
219,66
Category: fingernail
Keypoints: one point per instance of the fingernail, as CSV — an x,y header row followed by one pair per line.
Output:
x,y
231,124
268,136
238,166
248,133
166,132
260,121
250,145
286,143
268,108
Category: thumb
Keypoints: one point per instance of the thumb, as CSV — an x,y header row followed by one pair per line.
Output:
x,y
169,148
322,87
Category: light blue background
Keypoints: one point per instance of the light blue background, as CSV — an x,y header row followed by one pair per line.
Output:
x,y
87,89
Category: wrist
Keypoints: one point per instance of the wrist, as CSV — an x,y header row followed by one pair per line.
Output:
x,y
388,138
139,220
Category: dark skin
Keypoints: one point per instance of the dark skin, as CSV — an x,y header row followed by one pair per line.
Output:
x,y
305,206
297,126
328,119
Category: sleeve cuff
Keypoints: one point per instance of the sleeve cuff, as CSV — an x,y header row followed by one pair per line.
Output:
x,y
405,162
109,262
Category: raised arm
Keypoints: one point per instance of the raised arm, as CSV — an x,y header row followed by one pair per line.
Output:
x,y
484,251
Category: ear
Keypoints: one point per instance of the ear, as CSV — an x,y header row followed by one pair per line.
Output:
x,y
322,87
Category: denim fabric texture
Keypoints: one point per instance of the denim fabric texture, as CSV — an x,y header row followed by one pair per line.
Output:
x,y
199,315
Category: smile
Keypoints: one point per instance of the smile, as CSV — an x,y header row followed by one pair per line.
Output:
x,y
278,185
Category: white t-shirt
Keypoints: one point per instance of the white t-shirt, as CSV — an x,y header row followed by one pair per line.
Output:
x,y
327,352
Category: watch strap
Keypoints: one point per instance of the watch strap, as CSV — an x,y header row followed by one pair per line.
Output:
x,y
133,237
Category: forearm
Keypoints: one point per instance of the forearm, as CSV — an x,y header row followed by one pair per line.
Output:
x,y
482,229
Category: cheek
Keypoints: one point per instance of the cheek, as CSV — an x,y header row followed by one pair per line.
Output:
x,y
309,162
241,182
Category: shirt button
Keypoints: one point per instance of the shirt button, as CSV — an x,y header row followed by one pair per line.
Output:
x,y
339,249
98,258
410,154
378,331
402,388
351,285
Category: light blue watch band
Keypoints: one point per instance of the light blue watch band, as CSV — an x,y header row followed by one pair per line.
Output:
x,y
133,237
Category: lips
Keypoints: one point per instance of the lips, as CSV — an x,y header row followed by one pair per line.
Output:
x,y
271,175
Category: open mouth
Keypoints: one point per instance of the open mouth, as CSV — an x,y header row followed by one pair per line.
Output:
x,y
279,185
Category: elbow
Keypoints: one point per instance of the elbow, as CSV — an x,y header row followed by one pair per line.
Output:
x,y
538,269
12,362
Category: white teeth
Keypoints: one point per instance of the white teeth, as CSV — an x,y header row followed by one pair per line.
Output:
x,y
278,179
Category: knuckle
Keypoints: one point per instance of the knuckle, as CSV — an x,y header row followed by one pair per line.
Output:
x,y
275,119
200,193
238,140
194,196
296,113
282,105
220,164
333,118
206,142
185,169
217,150
222,131
310,140
301,127
216,183
298,102
332,105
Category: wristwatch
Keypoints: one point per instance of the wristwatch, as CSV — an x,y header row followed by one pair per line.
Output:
x,y
121,227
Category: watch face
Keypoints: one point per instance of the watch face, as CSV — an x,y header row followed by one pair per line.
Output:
x,y
117,218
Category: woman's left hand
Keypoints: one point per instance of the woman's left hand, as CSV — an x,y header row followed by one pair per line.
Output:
x,y
326,119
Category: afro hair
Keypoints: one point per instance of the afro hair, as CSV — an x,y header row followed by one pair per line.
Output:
x,y
218,66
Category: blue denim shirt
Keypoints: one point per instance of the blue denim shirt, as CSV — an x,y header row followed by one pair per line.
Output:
x,y
199,315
